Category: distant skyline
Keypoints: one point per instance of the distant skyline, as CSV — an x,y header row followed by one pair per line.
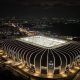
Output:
x,y
38,8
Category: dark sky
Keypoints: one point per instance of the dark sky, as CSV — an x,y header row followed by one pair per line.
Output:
x,y
24,8
42,2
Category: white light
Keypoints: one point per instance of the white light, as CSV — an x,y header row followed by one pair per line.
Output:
x,y
43,41
25,69
9,62
72,71
76,67
1,53
27,39
21,66
63,74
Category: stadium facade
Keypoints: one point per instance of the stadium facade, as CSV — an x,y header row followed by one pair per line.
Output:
x,y
43,55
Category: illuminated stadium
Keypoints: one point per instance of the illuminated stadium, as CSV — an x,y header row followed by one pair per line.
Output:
x,y
45,57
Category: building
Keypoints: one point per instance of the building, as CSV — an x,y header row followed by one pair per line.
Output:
x,y
43,56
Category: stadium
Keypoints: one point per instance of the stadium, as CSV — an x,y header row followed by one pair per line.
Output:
x,y
44,56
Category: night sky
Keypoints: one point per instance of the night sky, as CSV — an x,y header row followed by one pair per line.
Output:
x,y
39,8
